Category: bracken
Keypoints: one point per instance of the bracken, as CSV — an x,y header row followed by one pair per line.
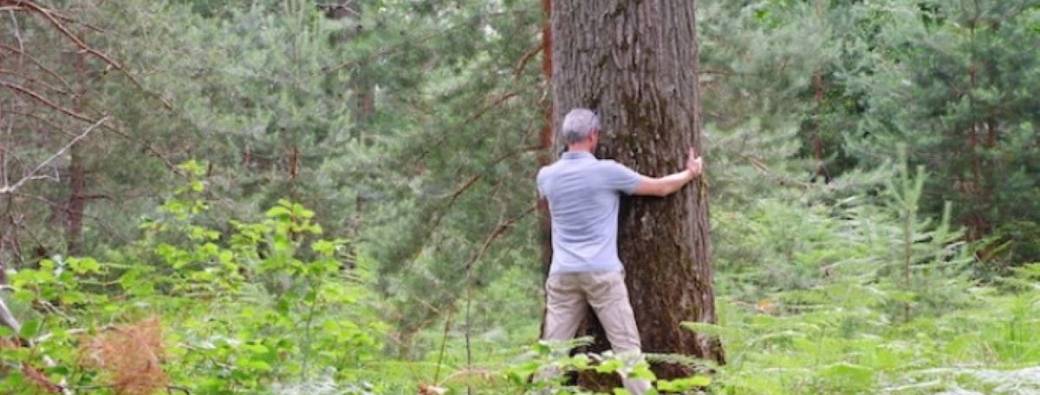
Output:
x,y
130,355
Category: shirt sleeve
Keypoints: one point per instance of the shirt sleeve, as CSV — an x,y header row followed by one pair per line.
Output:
x,y
620,178
538,181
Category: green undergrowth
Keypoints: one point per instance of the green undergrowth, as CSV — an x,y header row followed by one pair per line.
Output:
x,y
835,296
785,345
864,294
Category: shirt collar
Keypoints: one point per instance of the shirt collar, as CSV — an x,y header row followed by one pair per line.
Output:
x,y
577,155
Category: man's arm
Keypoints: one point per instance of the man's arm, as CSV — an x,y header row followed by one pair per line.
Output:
x,y
664,186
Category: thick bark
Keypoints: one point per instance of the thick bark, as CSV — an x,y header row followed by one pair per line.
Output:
x,y
635,64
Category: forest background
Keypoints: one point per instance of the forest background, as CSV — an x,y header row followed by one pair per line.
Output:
x,y
337,196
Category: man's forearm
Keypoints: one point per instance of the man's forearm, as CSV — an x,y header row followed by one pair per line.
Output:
x,y
664,186
673,182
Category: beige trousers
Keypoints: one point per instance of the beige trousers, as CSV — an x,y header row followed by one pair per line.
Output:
x,y
566,295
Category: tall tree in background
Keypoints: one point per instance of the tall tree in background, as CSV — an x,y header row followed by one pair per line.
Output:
x,y
636,64
58,175
958,103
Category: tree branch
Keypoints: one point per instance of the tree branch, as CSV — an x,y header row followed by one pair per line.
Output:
x,y
32,174
499,230
38,97
527,56
49,15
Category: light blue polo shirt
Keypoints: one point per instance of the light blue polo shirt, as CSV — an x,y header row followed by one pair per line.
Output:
x,y
584,197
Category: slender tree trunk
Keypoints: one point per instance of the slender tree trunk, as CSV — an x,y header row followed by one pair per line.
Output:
x,y
817,141
545,137
362,91
545,142
77,203
635,63
362,96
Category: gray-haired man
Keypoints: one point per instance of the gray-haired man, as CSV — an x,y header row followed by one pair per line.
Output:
x,y
583,194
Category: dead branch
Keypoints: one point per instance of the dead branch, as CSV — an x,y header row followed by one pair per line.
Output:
x,y
64,30
53,18
527,56
17,30
38,81
499,230
37,62
32,174
38,97
8,319
493,104
46,122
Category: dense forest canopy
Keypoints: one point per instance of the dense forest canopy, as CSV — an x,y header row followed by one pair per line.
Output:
x,y
338,196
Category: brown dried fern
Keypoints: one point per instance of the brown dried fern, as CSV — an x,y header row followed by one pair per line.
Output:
x,y
130,356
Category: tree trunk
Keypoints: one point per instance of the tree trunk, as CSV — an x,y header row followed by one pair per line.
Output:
x,y
635,64
362,90
545,137
362,97
545,142
77,203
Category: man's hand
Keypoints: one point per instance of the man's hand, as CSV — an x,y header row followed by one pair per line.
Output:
x,y
694,163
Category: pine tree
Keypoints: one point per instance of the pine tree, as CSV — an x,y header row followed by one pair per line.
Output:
x,y
947,78
635,63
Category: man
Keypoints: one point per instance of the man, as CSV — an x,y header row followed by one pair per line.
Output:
x,y
583,194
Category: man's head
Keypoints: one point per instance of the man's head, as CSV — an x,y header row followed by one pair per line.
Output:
x,y
580,130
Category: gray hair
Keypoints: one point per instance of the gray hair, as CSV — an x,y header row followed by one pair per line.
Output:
x,y
578,125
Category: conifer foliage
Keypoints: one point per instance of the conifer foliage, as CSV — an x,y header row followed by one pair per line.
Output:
x,y
337,196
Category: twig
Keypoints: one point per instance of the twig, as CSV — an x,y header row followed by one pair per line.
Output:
x,y
469,346
37,63
38,97
17,30
522,63
32,174
495,234
491,105
169,388
49,15
441,211
42,120
388,50
64,30
39,81
8,319
444,341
